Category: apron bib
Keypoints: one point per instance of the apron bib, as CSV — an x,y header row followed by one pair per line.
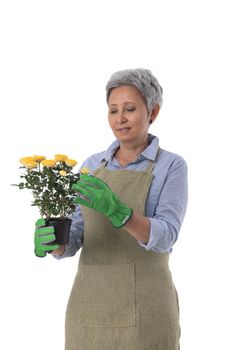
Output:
x,y
123,297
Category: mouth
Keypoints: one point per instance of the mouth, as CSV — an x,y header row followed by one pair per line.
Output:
x,y
124,130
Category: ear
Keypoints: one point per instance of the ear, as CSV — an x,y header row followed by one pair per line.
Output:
x,y
154,113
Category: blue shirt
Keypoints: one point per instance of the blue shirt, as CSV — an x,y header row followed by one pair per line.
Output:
x,y
166,201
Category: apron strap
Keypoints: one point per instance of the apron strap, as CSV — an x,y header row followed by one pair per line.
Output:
x,y
151,163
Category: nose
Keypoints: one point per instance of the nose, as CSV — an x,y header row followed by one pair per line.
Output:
x,y
121,117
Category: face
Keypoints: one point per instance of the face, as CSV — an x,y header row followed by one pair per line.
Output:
x,y
128,116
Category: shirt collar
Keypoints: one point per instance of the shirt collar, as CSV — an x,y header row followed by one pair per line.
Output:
x,y
149,152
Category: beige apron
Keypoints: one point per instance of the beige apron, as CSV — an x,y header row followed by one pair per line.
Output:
x,y
123,297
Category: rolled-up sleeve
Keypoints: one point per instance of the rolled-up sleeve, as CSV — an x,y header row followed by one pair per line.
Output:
x,y
170,209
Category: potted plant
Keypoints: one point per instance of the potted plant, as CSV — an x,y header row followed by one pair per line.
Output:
x,y
50,181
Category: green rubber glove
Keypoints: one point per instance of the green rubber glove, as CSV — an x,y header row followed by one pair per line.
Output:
x,y
44,236
94,193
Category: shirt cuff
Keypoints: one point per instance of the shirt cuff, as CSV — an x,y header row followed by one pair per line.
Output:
x,y
154,238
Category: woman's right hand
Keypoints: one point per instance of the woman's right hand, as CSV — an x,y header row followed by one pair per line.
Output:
x,y
43,239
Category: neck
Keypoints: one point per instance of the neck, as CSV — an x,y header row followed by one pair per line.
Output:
x,y
128,152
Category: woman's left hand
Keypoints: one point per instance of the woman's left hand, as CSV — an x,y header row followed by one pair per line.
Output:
x,y
94,193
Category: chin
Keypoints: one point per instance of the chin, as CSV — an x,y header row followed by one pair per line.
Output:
x,y
125,138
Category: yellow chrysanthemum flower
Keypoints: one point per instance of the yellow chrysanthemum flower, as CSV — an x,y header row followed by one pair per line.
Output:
x,y
71,162
60,157
25,159
62,172
84,171
30,164
49,163
38,159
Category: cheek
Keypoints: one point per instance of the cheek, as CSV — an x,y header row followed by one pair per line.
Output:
x,y
141,122
110,123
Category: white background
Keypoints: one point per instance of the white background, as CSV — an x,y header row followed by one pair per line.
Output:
x,y
56,57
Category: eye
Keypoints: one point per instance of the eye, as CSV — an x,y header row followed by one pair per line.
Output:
x,y
131,109
112,111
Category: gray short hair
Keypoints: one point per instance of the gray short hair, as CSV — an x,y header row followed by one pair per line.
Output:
x,y
143,80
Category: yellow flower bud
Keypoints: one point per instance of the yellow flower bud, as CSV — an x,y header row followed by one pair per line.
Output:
x,y
49,163
70,162
60,157
84,171
62,172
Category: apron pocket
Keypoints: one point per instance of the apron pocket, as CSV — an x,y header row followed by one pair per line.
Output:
x,y
108,295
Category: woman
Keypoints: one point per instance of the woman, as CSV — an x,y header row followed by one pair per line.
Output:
x,y
128,217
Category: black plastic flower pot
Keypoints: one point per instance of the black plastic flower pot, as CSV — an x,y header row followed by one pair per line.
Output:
x,y
62,229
